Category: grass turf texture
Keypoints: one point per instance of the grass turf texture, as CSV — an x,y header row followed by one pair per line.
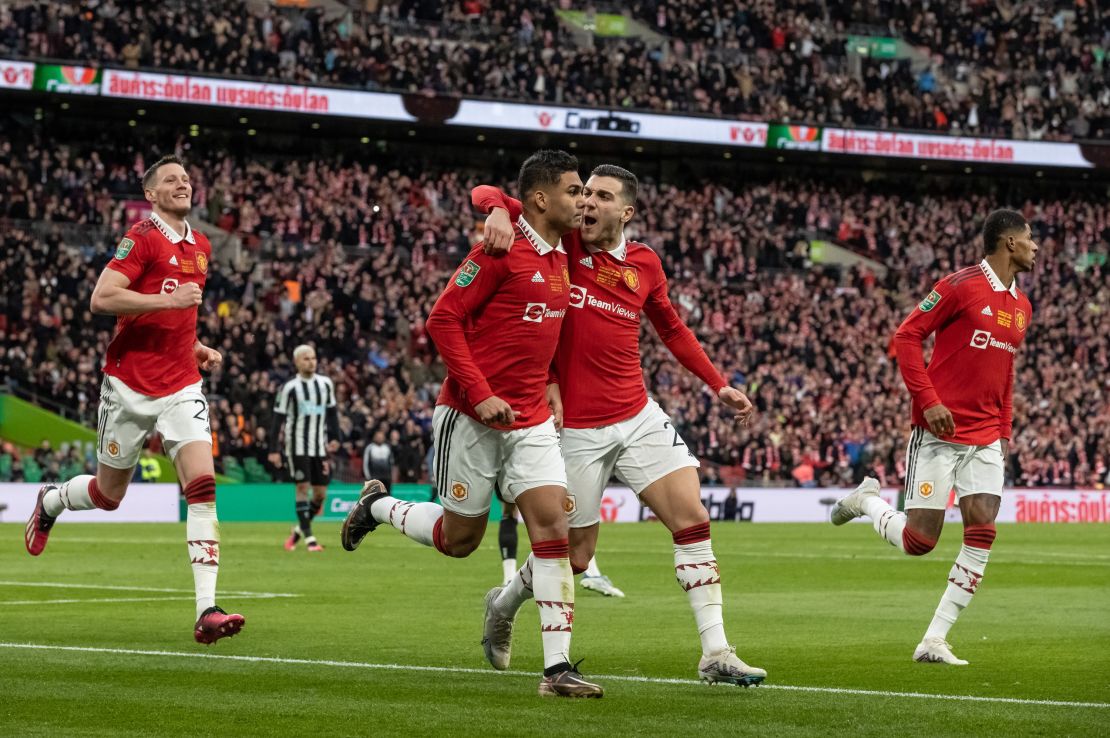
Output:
x,y
815,605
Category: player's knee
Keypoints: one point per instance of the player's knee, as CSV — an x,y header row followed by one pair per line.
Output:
x,y
917,544
980,535
579,562
460,549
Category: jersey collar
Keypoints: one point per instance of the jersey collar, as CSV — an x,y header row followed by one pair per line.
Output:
x,y
542,247
171,235
620,253
995,282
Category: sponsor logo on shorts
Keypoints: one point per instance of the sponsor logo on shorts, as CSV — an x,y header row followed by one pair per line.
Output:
x,y
930,301
535,312
113,448
169,286
124,248
459,491
467,273
569,505
299,475
925,489
202,263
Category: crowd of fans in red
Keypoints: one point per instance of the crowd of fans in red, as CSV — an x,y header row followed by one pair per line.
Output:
x,y
1027,69
350,255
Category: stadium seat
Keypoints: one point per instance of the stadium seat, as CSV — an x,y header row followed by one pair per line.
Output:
x,y
256,473
233,469
32,472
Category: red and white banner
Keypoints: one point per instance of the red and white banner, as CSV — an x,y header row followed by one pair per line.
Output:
x,y
538,118
144,503
952,148
793,505
16,75
228,93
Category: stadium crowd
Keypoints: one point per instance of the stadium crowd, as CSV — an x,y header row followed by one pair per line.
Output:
x,y
1026,69
809,344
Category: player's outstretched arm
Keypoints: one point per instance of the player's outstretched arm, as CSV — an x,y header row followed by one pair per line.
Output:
x,y
498,234
676,336
112,296
472,286
937,309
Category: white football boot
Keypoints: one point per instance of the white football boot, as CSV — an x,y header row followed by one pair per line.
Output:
x,y
936,650
497,634
601,585
850,506
727,667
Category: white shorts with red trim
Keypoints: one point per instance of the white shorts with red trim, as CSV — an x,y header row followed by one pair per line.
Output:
x,y
473,460
126,419
639,451
934,467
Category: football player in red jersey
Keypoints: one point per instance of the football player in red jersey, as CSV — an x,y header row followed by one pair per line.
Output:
x,y
611,426
962,416
152,383
497,326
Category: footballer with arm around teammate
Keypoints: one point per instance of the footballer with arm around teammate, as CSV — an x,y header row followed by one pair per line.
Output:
x,y
961,416
152,383
497,325
612,426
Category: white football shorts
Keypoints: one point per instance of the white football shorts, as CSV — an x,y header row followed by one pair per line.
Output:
x,y
125,420
934,467
641,450
472,460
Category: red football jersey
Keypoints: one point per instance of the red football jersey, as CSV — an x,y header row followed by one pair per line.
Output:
x,y
153,353
497,325
980,323
598,364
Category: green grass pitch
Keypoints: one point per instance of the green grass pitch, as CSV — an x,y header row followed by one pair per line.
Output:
x,y
820,608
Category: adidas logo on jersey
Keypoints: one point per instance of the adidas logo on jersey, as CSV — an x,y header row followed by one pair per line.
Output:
x,y
173,260
588,262
537,277
987,310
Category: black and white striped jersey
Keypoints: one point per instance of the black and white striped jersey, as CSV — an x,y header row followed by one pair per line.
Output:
x,y
306,405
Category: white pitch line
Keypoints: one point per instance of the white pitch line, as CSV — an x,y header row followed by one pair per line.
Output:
x,y
502,674
119,588
99,600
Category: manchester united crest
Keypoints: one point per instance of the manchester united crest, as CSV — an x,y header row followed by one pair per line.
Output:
x,y
202,263
1019,320
113,448
569,505
631,278
459,491
925,489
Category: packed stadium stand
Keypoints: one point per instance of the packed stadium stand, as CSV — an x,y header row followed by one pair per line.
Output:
x,y
349,251
1023,70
